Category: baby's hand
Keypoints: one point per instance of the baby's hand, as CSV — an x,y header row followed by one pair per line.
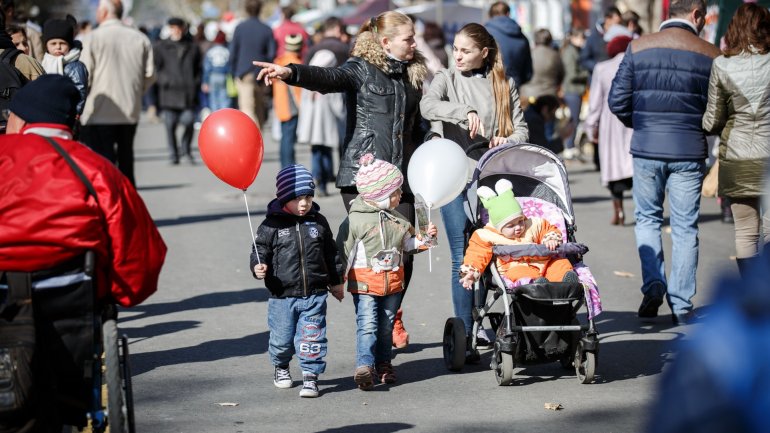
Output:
x,y
338,292
468,280
260,271
552,244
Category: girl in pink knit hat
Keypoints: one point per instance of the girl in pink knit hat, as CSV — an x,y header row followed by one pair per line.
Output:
x,y
373,240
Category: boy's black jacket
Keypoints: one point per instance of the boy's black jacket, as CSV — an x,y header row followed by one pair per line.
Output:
x,y
300,253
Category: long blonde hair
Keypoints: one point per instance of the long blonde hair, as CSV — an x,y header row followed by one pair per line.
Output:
x,y
385,25
500,88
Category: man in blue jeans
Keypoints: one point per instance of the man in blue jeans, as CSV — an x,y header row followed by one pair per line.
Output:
x,y
660,91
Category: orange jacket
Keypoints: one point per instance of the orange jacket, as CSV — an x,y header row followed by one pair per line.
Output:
x,y
479,252
281,90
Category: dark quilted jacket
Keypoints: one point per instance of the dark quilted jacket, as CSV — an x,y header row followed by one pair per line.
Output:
x,y
661,90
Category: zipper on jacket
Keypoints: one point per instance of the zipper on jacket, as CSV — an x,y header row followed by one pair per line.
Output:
x,y
302,259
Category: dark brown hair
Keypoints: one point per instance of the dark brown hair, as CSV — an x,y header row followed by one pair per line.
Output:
x,y
499,9
749,27
500,88
253,7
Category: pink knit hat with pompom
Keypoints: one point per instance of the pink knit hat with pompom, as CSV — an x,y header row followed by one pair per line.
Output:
x,y
376,180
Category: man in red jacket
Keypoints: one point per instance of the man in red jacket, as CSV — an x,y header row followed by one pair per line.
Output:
x,y
47,215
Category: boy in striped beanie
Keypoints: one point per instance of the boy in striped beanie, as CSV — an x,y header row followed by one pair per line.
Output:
x,y
297,257
372,241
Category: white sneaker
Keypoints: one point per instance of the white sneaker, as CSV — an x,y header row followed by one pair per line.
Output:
x,y
282,377
309,386
482,339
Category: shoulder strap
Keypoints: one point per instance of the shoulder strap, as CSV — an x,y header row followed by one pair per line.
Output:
x,y
74,166
9,54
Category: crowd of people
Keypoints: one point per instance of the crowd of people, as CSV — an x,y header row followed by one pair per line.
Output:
x,y
376,97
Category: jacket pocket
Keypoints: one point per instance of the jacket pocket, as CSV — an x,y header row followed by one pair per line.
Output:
x,y
380,98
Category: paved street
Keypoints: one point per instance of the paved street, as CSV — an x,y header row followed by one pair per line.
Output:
x,y
201,340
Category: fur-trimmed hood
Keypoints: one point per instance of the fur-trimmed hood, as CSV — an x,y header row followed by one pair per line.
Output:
x,y
367,48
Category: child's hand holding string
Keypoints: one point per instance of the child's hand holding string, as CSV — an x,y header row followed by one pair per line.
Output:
x,y
260,271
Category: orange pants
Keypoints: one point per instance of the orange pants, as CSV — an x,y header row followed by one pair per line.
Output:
x,y
554,271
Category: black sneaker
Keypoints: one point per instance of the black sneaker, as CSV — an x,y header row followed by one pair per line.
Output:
x,y
649,306
309,386
282,377
471,355
541,280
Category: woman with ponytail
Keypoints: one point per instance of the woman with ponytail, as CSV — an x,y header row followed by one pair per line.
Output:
x,y
474,101
382,81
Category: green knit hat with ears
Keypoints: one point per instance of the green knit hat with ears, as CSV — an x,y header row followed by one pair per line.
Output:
x,y
500,203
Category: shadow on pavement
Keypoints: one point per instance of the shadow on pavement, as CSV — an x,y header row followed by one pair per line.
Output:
x,y
157,329
416,347
162,187
205,352
192,219
208,300
590,198
385,427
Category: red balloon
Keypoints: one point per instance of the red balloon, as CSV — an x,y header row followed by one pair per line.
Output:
x,y
231,145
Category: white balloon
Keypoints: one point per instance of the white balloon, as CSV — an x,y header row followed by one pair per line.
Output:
x,y
438,171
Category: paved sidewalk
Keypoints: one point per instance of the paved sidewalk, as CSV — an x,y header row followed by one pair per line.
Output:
x,y
201,340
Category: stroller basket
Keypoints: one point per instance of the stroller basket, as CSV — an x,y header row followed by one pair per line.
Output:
x,y
550,293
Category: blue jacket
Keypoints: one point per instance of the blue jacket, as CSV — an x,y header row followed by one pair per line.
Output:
x,y
216,61
514,47
77,72
594,50
252,40
661,91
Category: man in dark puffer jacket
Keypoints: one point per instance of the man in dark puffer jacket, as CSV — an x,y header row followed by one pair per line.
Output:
x,y
660,91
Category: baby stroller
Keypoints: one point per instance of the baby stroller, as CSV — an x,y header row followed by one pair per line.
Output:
x,y
539,323
60,352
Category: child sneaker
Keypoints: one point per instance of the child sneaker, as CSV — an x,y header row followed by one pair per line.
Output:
x,y
309,386
400,336
386,373
282,377
364,378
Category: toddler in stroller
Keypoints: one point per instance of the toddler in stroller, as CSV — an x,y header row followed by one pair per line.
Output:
x,y
536,268
509,226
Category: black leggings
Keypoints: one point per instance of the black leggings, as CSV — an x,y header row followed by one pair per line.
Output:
x,y
405,208
617,187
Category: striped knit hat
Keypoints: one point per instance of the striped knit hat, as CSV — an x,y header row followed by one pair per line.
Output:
x,y
376,179
293,181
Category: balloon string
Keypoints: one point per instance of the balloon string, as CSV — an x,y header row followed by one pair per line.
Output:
x,y
430,250
248,215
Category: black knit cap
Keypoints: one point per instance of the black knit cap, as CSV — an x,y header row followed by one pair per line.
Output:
x,y
176,21
60,29
51,98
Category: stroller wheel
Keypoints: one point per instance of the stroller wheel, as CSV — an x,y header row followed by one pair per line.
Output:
x,y
585,366
454,344
504,368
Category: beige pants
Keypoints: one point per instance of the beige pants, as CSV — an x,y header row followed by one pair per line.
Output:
x,y
749,225
251,98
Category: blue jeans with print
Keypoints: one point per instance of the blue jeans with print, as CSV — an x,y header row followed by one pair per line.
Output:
x,y
454,218
683,179
374,327
298,325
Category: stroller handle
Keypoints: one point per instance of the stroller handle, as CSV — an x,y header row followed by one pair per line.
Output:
x,y
476,146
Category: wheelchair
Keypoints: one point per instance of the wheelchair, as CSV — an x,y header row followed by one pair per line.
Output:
x,y
79,368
